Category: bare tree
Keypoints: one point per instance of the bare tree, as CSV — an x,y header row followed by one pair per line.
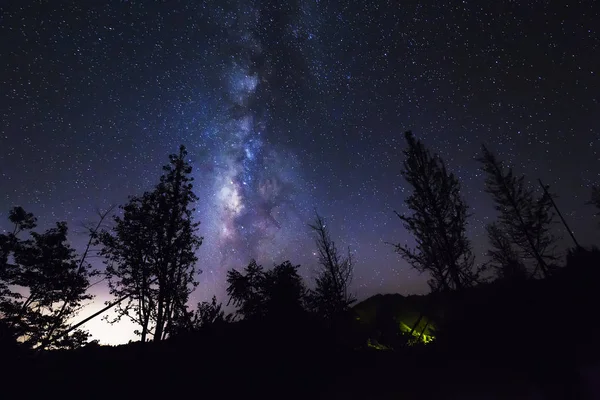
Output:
x,y
331,296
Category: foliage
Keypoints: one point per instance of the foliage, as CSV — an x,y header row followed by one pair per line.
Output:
x,y
247,290
208,314
43,284
331,297
150,254
524,219
438,221
278,293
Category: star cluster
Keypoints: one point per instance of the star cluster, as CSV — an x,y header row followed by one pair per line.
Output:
x,y
287,107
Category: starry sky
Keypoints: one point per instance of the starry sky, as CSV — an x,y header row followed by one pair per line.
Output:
x,y
287,107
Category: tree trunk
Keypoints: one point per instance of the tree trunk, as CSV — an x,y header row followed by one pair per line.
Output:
x,y
159,316
144,331
145,312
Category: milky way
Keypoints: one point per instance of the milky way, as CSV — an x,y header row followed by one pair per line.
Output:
x,y
291,106
254,201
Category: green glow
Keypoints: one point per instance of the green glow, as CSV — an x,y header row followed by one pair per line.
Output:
x,y
377,346
425,338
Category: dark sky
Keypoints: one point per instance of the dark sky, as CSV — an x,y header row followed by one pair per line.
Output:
x,y
291,106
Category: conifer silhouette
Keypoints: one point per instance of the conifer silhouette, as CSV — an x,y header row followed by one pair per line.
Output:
x,y
438,220
331,297
524,218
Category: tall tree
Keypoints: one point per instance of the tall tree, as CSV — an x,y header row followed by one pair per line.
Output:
x,y
331,297
150,254
44,283
438,220
524,218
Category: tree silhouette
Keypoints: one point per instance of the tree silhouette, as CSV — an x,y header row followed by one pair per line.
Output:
x,y
246,290
504,258
22,221
44,286
150,255
208,314
331,297
438,221
276,294
285,291
524,219
77,336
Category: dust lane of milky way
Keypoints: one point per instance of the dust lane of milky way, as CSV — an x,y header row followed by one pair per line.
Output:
x,y
288,107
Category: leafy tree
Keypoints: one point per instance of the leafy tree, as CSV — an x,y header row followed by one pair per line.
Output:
x,y
285,291
44,286
150,254
22,221
208,314
438,221
78,337
275,294
247,290
331,297
524,218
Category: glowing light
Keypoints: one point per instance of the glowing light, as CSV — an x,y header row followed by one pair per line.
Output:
x,y
230,197
425,338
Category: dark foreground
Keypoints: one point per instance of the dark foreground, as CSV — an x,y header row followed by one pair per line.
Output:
x,y
530,340
261,368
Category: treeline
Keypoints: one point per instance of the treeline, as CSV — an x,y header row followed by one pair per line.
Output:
x,y
150,260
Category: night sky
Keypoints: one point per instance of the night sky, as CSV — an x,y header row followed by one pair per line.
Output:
x,y
291,106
